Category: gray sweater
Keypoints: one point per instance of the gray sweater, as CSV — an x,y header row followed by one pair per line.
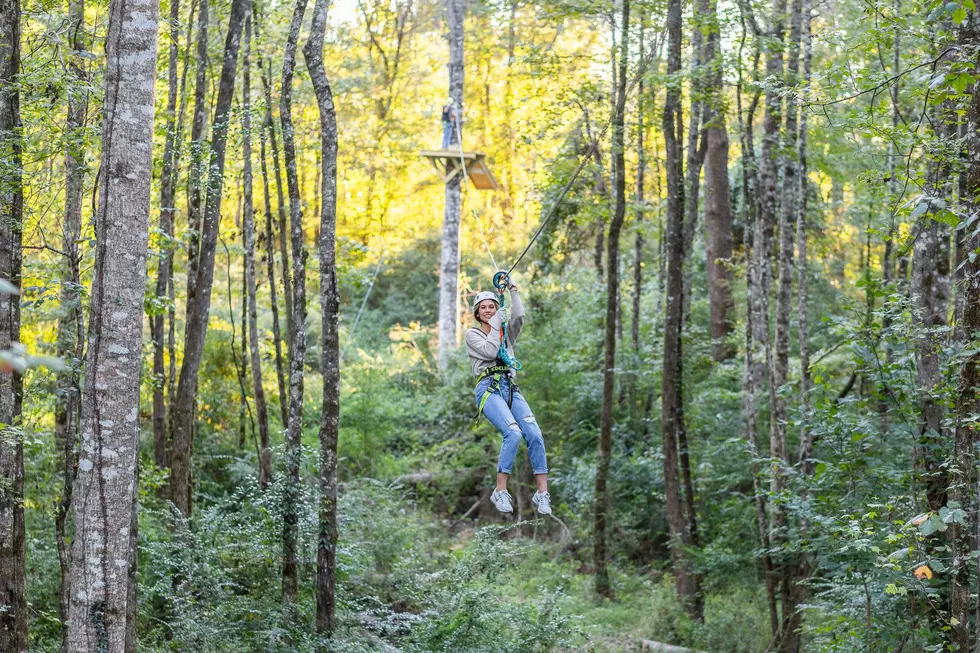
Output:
x,y
482,347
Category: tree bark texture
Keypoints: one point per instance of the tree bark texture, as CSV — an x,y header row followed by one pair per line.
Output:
x,y
930,294
70,342
641,165
199,299
106,488
717,205
248,222
326,559
612,300
297,325
967,398
789,641
168,211
268,127
449,259
198,172
671,394
13,575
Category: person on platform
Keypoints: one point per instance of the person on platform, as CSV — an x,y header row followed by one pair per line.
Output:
x,y
449,124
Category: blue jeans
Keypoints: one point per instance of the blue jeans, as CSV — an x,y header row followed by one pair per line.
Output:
x,y
513,421
447,135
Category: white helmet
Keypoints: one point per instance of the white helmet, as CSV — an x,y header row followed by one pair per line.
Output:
x,y
486,294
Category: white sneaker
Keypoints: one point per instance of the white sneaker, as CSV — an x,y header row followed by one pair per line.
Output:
x,y
543,501
502,500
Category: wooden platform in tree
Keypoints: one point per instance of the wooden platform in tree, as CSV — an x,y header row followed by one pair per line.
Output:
x,y
448,164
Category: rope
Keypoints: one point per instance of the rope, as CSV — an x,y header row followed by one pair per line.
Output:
x,y
350,335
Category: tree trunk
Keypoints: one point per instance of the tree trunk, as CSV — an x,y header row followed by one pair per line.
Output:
x,y
13,574
640,171
269,127
802,566
199,294
612,300
449,265
199,164
789,641
161,435
297,326
754,355
248,220
326,559
717,206
70,344
672,398
110,404
966,398
930,293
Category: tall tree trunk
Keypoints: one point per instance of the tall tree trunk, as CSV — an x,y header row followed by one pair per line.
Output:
x,y
168,187
248,220
102,547
297,325
789,641
802,567
754,354
641,165
717,205
326,558
930,293
13,574
198,172
268,126
672,397
70,344
967,395
612,300
449,265
199,294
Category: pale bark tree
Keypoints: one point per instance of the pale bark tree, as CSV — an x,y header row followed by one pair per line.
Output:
x,y
602,502
297,324
102,549
326,559
449,260
248,223
199,293
13,575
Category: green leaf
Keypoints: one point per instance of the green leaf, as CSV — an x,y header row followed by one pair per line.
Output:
x,y
931,525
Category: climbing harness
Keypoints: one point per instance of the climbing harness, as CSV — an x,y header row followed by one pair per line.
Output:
x,y
494,388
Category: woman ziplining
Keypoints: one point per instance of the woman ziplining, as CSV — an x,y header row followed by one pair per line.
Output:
x,y
490,348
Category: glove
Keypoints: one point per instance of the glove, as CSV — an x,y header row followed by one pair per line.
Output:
x,y
504,313
496,320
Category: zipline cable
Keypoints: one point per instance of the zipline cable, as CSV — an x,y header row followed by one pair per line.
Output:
x,y
350,334
592,151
